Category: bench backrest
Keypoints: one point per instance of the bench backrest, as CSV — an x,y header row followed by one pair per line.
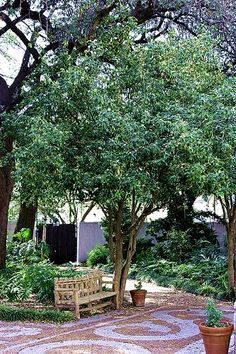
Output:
x,y
64,288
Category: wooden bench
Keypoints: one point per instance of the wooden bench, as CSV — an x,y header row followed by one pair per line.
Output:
x,y
83,294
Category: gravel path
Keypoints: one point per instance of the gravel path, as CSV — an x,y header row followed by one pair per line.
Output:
x,y
168,324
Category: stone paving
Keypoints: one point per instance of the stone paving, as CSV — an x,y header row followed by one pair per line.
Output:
x,y
153,329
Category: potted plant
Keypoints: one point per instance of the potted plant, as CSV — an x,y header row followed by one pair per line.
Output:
x,y
215,332
138,295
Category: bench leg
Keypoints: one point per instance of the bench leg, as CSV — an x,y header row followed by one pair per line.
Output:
x,y
76,299
90,307
77,311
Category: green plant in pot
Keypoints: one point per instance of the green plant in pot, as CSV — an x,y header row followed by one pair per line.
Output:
x,y
138,295
215,332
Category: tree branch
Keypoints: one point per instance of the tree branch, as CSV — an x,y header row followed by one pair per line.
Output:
x,y
5,6
7,27
92,205
20,35
23,72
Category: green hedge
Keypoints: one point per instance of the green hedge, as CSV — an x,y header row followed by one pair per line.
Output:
x,y
28,314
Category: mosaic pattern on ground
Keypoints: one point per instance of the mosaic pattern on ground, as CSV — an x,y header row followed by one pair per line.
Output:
x,y
161,331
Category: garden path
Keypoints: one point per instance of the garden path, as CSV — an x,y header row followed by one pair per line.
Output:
x,y
168,324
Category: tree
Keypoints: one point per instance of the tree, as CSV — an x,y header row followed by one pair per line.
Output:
x,y
41,30
220,130
48,28
224,145
132,127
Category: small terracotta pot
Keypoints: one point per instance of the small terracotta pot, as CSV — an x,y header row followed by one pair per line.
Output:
x,y
138,297
216,339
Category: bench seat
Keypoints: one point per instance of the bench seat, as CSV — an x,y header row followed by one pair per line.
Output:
x,y
95,297
88,290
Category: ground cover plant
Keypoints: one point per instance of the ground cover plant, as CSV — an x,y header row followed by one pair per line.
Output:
x,y
164,265
9,313
204,272
29,272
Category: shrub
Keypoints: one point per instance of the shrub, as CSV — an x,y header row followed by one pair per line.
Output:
x,y
176,246
205,250
28,314
98,255
24,235
144,244
27,252
29,272
176,240
37,279
190,276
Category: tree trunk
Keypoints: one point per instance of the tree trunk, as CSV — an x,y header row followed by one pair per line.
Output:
x,y
6,185
122,268
26,218
118,272
129,256
123,280
122,272
231,237
228,205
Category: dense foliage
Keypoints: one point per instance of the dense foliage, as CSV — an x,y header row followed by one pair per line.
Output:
x,y
98,255
175,244
189,275
168,265
128,132
29,314
29,273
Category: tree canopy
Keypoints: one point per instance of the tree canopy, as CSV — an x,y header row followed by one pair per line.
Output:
x,y
109,78
129,124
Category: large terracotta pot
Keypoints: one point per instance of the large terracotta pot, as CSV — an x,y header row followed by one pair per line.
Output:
x,y
138,297
216,339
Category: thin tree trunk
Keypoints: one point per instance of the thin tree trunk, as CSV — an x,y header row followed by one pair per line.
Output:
x,y
231,258
110,235
126,266
229,215
6,186
26,218
231,237
117,274
122,266
123,279
118,251
130,253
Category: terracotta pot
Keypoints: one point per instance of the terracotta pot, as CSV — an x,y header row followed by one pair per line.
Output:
x,y
216,339
138,297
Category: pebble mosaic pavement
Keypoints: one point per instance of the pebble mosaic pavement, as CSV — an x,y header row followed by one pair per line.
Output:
x,y
154,329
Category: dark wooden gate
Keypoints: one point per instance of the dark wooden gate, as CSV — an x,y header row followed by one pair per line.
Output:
x,y
62,241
